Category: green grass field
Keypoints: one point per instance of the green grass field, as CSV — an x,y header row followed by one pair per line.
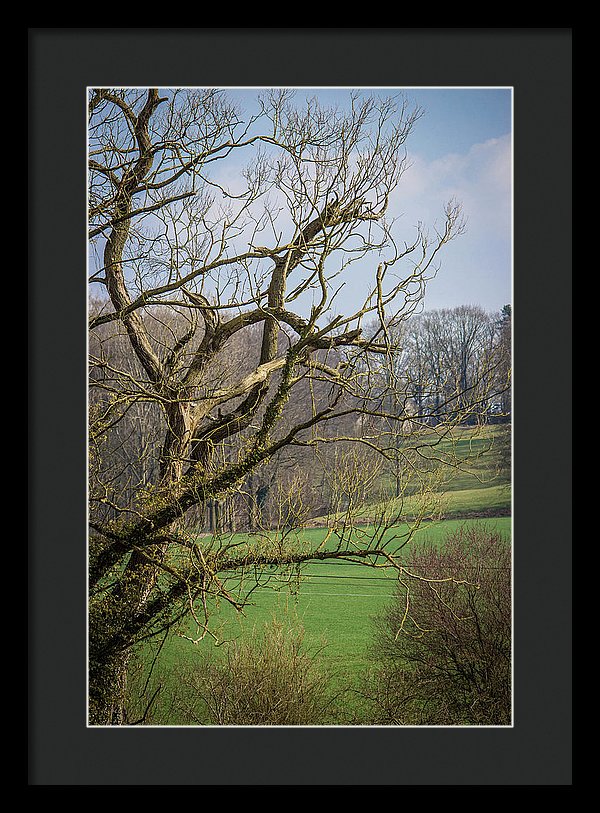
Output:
x,y
336,601
333,602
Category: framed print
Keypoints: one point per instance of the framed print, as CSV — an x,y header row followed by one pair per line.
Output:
x,y
290,335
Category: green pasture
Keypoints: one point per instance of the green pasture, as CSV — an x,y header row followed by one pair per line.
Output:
x,y
469,457
452,503
334,602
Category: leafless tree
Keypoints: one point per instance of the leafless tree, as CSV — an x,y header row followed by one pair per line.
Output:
x,y
503,325
209,228
443,369
454,359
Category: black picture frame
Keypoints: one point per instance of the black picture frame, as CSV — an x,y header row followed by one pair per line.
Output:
x,y
537,64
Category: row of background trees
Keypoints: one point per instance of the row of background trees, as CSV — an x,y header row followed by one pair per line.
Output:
x,y
444,360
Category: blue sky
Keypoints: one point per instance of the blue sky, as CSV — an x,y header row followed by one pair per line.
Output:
x,y
461,147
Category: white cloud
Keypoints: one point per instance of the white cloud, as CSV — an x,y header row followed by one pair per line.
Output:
x,y
480,180
476,268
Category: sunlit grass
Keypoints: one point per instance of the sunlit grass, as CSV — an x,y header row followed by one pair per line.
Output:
x,y
334,602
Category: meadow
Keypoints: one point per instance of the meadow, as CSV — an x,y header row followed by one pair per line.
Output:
x,y
333,602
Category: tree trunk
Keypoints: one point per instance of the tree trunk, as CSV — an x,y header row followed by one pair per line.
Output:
x,y
177,442
107,664
250,503
114,620
108,689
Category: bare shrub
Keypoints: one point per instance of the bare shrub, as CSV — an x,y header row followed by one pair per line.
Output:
x,y
266,678
444,643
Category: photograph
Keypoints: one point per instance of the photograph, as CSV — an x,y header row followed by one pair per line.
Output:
x,y
300,405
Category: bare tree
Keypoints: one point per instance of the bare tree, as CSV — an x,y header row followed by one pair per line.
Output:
x,y
454,360
503,325
206,226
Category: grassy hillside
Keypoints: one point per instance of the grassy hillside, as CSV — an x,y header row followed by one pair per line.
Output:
x,y
470,478
466,458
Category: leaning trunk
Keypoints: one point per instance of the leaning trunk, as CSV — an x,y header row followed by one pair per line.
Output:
x,y
108,659
116,618
108,689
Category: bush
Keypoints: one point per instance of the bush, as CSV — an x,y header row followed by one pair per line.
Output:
x,y
265,679
444,644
